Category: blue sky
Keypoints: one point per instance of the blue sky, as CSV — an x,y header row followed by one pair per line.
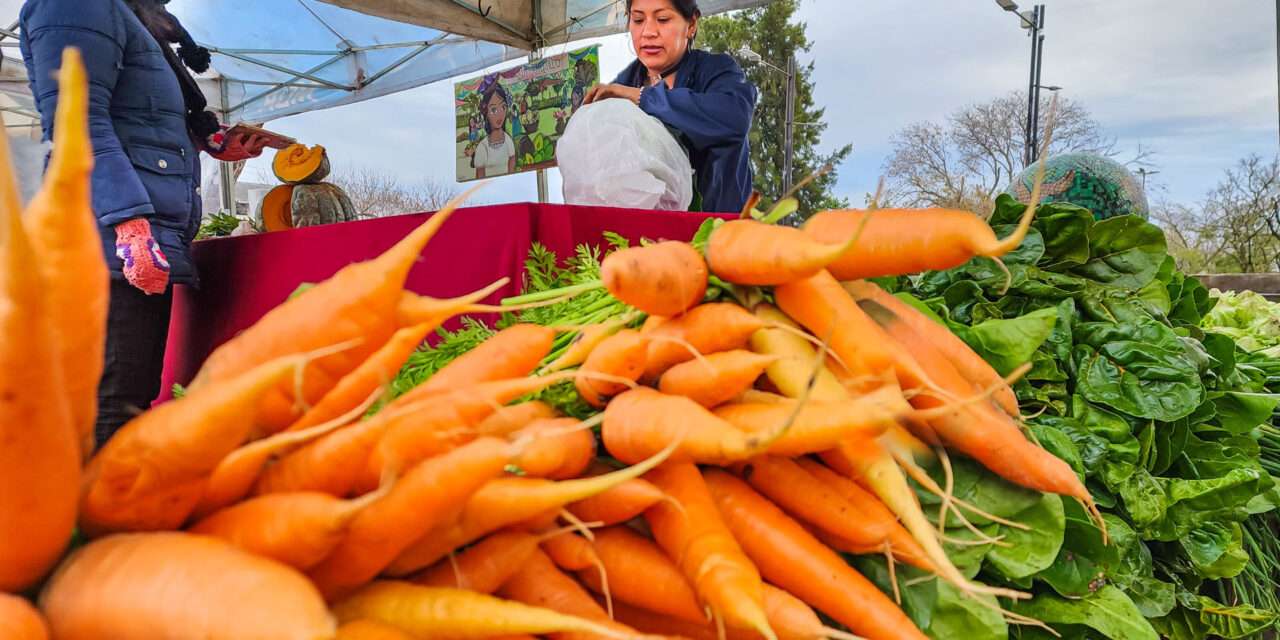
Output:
x,y
1195,81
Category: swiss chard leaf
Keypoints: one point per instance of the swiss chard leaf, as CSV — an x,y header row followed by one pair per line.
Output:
x,y
1124,251
1029,551
1140,368
1008,344
1108,611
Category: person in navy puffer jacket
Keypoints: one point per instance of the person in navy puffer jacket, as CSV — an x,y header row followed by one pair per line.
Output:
x,y
147,124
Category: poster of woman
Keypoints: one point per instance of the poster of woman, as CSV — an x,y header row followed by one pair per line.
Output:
x,y
509,121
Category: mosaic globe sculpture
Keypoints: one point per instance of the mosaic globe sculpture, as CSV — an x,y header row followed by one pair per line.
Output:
x,y
1094,182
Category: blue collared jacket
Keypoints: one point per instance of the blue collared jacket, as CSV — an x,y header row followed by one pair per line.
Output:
x,y
711,106
145,163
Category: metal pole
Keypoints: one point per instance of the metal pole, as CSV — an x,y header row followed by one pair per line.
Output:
x,y
789,143
536,54
1029,131
1278,56
226,177
1035,118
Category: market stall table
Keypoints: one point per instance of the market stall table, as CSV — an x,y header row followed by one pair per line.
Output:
x,y
243,278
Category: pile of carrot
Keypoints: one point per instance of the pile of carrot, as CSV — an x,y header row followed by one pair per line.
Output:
x,y
739,449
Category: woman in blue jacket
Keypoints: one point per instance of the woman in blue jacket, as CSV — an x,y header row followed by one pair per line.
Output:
x,y
147,123
703,96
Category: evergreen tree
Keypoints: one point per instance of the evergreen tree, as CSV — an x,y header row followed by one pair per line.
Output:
x,y
771,32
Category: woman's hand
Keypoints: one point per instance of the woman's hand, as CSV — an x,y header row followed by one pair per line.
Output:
x,y
605,91
238,147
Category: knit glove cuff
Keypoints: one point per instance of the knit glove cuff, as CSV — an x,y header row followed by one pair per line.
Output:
x,y
145,265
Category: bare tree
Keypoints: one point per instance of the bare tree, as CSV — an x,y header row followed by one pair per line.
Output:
x,y
375,194
967,162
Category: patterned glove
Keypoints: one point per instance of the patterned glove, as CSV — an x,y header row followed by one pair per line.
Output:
x,y
145,266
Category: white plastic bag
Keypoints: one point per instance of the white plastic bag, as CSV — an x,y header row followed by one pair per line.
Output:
x,y
613,154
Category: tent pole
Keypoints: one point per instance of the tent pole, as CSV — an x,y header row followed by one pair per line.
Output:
x,y
226,178
536,54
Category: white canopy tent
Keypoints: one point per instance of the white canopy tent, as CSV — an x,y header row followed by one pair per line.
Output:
x,y
276,58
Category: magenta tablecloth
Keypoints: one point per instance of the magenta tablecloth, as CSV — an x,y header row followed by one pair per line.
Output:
x,y
242,278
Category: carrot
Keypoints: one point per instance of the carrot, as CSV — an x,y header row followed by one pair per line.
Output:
x,y
570,551
903,546
539,583
358,303
233,478
507,501
663,279
708,328
297,529
41,452
960,355
559,449
794,620
622,354
511,353
717,379
435,612
426,495
826,309
20,621
807,498
794,357
584,343
152,472
984,433
818,426
484,566
416,309
904,241
372,375
62,226
617,504
642,574
370,630
179,585
792,559
754,253
706,552
514,417
340,462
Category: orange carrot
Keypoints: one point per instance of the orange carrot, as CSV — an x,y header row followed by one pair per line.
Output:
x,y
416,309
539,583
507,501
708,328
716,379
618,504
663,279
182,586
791,558
755,253
622,355
515,417
794,620
960,355
41,451
370,630
643,575
233,478
62,226
559,449
649,622
357,304
904,241
297,529
435,612
371,375
428,493
706,552
817,426
826,309
799,493
584,343
20,621
510,353
570,551
152,472
484,566
903,546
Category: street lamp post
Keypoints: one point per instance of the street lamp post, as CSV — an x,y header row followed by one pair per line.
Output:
x,y
788,136
1033,21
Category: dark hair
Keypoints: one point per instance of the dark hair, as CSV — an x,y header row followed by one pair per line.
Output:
x,y
687,8
492,90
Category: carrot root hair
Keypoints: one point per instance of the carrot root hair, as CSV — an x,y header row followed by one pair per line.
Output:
x,y
689,346
893,572
916,473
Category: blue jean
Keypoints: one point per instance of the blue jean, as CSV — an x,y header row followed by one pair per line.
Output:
x,y
137,330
